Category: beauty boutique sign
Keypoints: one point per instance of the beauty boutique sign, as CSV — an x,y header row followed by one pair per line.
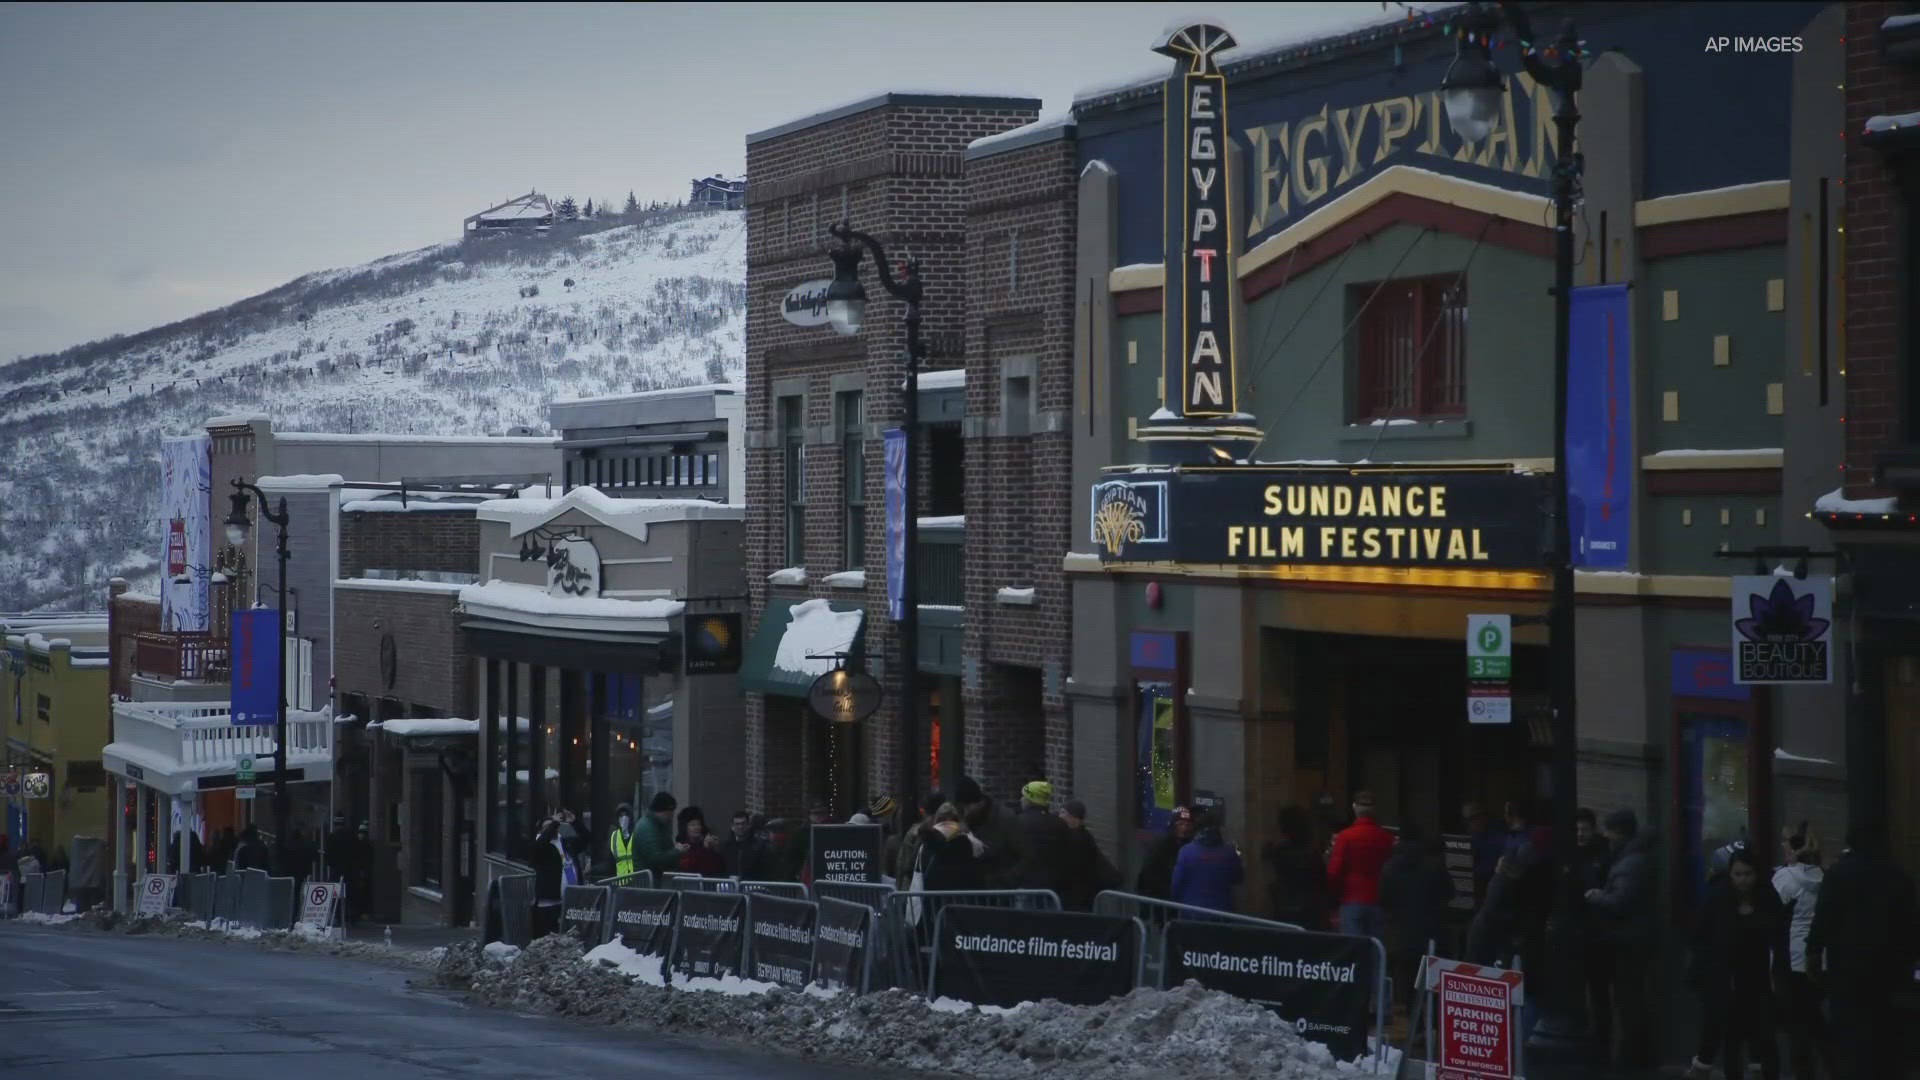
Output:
x,y
1199,343
1258,516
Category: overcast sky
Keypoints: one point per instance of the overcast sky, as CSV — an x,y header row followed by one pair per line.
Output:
x,y
161,160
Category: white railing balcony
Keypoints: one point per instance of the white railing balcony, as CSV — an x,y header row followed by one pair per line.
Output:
x,y
192,739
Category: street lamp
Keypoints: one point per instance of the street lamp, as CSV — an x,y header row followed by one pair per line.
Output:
x,y
846,309
1471,91
237,528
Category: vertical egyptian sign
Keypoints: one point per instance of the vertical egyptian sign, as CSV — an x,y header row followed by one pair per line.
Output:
x,y
1197,301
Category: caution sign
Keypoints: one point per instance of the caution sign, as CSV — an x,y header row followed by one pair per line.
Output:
x,y
154,894
318,901
1004,956
846,853
1474,1008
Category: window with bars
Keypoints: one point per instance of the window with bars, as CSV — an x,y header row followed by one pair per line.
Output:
x,y
1411,349
853,481
793,453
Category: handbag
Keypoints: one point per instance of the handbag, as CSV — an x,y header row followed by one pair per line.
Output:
x,y
917,884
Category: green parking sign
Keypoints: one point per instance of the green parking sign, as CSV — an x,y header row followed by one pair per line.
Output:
x,y
1490,647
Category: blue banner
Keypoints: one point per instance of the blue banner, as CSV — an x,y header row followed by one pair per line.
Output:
x,y
256,666
1600,472
896,447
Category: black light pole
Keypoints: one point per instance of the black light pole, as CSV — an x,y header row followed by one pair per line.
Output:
x,y
237,527
846,308
1472,91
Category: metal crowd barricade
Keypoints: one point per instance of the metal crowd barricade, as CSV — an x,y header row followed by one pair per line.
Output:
x,y
1155,914
203,894
32,888
516,909
639,879
277,905
870,953
789,890
253,906
910,918
53,899
874,895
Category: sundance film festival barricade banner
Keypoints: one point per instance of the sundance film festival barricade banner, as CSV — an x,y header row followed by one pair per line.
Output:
x,y
186,531
708,935
1782,630
583,910
1004,956
780,935
643,919
840,941
845,853
1253,515
1326,984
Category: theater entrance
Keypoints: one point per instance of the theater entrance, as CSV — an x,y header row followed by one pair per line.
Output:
x,y
1389,715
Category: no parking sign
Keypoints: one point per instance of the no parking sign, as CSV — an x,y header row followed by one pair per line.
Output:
x,y
154,894
318,902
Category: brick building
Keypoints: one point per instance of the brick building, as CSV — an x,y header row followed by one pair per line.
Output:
x,y
896,167
1870,229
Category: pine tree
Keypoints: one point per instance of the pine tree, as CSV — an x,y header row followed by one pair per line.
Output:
x,y
568,209
633,205
588,212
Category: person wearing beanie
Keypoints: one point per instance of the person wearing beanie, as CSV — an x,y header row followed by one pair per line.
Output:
x,y
1360,853
988,825
1207,871
1042,844
1624,912
653,841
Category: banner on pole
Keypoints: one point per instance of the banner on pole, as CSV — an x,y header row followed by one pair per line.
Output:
x,y
896,492
1600,462
186,544
256,666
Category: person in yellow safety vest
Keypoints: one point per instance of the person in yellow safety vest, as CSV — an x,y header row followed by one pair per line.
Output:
x,y
621,841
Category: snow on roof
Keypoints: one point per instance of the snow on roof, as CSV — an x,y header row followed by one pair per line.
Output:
x,y
949,521
401,585
1251,48
1836,502
533,600
630,516
409,728
301,481
1894,122
815,629
234,420
417,440
411,506
669,392
523,208
1038,131
1896,22
945,379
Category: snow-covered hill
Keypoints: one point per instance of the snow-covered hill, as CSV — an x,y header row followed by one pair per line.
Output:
x,y
454,339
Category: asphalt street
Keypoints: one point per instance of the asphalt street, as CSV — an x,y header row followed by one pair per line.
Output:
x,y
81,1005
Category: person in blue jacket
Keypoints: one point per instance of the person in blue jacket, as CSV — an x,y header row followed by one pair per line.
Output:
x,y
1209,869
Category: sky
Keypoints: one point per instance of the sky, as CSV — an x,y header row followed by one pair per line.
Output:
x,y
161,160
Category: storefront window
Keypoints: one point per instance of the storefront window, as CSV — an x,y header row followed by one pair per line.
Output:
x,y
425,813
1713,802
1158,751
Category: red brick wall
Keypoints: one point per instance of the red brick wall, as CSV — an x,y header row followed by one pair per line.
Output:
x,y
438,540
126,616
1020,305
1875,387
897,172
432,668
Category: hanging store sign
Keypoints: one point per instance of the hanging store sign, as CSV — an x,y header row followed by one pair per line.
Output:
x,y
1262,516
37,785
806,303
1782,630
844,697
713,644
1199,345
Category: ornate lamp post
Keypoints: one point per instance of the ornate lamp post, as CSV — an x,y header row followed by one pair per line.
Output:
x,y
237,528
846,309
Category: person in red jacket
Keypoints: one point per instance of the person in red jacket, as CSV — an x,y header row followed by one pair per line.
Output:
x,y
1353,872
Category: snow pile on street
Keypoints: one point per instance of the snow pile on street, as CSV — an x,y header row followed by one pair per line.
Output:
x,y
47,920
299,939
1189,1032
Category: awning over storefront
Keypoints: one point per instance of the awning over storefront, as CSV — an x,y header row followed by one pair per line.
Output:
x,y
790,631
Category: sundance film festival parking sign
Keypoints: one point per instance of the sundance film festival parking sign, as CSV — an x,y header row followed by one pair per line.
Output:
x,y
1782,630
1004,956
1326,984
